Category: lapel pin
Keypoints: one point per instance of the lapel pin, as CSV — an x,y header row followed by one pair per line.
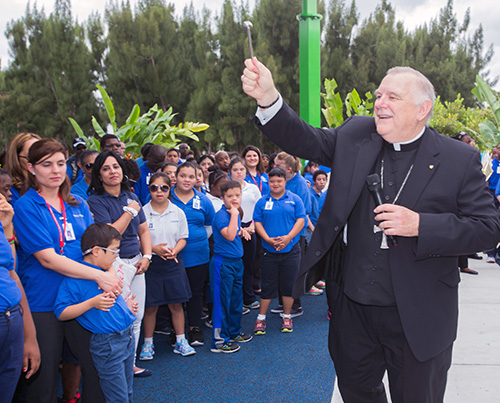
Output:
x,y
431,166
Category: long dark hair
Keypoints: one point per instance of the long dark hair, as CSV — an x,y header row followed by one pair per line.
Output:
x,y
41,150
96,182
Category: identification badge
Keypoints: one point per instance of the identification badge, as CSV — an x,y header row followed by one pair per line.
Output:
x,y
196,203
498,170
269,205
70,234
151,225
147,179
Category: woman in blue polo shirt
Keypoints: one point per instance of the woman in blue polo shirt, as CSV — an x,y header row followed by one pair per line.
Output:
x,y
199,212
49,223
113,203
256,173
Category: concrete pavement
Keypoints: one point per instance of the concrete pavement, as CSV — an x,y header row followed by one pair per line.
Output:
x,y
474,376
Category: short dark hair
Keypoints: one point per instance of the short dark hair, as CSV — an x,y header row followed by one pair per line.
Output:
x,y
317,173
185,165
277,171
215,175
173,149
166,164
106,137
99,234
4,172
132,169
162,175
204,157
228,186
145,150
86,154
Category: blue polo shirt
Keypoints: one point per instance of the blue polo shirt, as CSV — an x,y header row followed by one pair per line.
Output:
x,y
492,180
223,247
309,178
279,218
73,291
108,209
10,294
199,212
261,181
80,188
141,187
36,231
15,196
315,210
321,201
299,186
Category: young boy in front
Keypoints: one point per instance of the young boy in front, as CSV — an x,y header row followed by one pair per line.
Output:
x,y
279,218
226,272
108,317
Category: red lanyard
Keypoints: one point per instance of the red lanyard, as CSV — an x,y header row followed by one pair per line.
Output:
x,y
254,181
63,231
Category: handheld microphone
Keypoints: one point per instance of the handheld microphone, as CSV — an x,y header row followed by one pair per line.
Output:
x,y
374,186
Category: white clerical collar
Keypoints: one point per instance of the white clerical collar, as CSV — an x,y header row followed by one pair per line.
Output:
x,y
397,146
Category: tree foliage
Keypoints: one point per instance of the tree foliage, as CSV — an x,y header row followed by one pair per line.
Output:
x,y
191,61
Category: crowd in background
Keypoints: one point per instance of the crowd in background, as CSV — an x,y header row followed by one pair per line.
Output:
x,y
162,206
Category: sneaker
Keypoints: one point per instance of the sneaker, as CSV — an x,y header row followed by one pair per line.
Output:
x,y
260,327
195,336
204,315
490,259
209,323
164,330
315,291
245,310
226,348
295,312
278,309
173,338
147,352
286,326
253,305
320,284
242,338
183,348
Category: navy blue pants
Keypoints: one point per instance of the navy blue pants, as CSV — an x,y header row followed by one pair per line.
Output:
x,y
11,351
226,278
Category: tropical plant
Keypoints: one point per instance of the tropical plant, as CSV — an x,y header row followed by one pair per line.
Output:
x,y
490,129
154,126
334,106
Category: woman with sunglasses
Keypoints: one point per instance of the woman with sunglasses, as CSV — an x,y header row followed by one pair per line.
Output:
x,y
49,223
199,213
166,279
113,203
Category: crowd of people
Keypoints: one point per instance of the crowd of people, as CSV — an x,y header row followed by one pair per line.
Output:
x,y
97,247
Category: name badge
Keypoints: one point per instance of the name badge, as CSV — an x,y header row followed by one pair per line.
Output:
x,y
498,170
196,203
151,225
269,205
147,179
70,233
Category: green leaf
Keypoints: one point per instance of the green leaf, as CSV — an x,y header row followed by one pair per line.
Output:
x,y
77,127
132,118
97,127
110,109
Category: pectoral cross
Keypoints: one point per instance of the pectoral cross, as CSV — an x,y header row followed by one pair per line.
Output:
x,y
383,244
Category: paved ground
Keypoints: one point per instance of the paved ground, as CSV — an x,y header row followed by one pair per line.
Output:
x,y
474,376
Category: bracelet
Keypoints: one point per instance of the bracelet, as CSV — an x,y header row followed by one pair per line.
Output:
x,y
11,240
268,106
131,211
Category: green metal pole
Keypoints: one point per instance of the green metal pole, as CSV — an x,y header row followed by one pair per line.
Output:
x,y
309,64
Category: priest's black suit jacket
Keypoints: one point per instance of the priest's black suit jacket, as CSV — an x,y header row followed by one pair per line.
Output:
x,y
447,189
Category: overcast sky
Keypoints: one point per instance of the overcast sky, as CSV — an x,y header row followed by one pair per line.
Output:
x,y
412,12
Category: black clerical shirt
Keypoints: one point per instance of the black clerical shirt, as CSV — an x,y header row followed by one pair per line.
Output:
x,y
367,275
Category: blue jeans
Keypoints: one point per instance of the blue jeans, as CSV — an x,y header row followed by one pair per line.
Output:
x,y
113,355
11,351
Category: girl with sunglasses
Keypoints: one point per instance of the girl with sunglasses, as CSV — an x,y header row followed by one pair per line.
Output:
x,y
166,279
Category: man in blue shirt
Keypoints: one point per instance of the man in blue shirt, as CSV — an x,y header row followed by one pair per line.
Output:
x,y
156,158
226,272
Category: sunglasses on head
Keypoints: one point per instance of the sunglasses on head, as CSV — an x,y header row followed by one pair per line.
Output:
x,y
163,188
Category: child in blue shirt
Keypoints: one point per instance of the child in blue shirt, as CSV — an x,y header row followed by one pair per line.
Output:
x,y
107,316
279,217
226,272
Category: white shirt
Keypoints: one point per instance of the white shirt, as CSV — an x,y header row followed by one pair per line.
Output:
x,y
250,194
168,227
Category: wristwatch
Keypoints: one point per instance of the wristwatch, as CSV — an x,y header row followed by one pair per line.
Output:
x,y
149,257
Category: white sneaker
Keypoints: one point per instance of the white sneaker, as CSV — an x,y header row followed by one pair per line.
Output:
x,y
183,348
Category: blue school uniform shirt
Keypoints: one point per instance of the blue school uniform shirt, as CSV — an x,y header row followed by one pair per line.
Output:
x,y
108,209
80,189
492,180
261,181
15,196
10,294
321,201
223,247
315,210
73,291
279,218
298,185
141,188
309,178
36,231
199,212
